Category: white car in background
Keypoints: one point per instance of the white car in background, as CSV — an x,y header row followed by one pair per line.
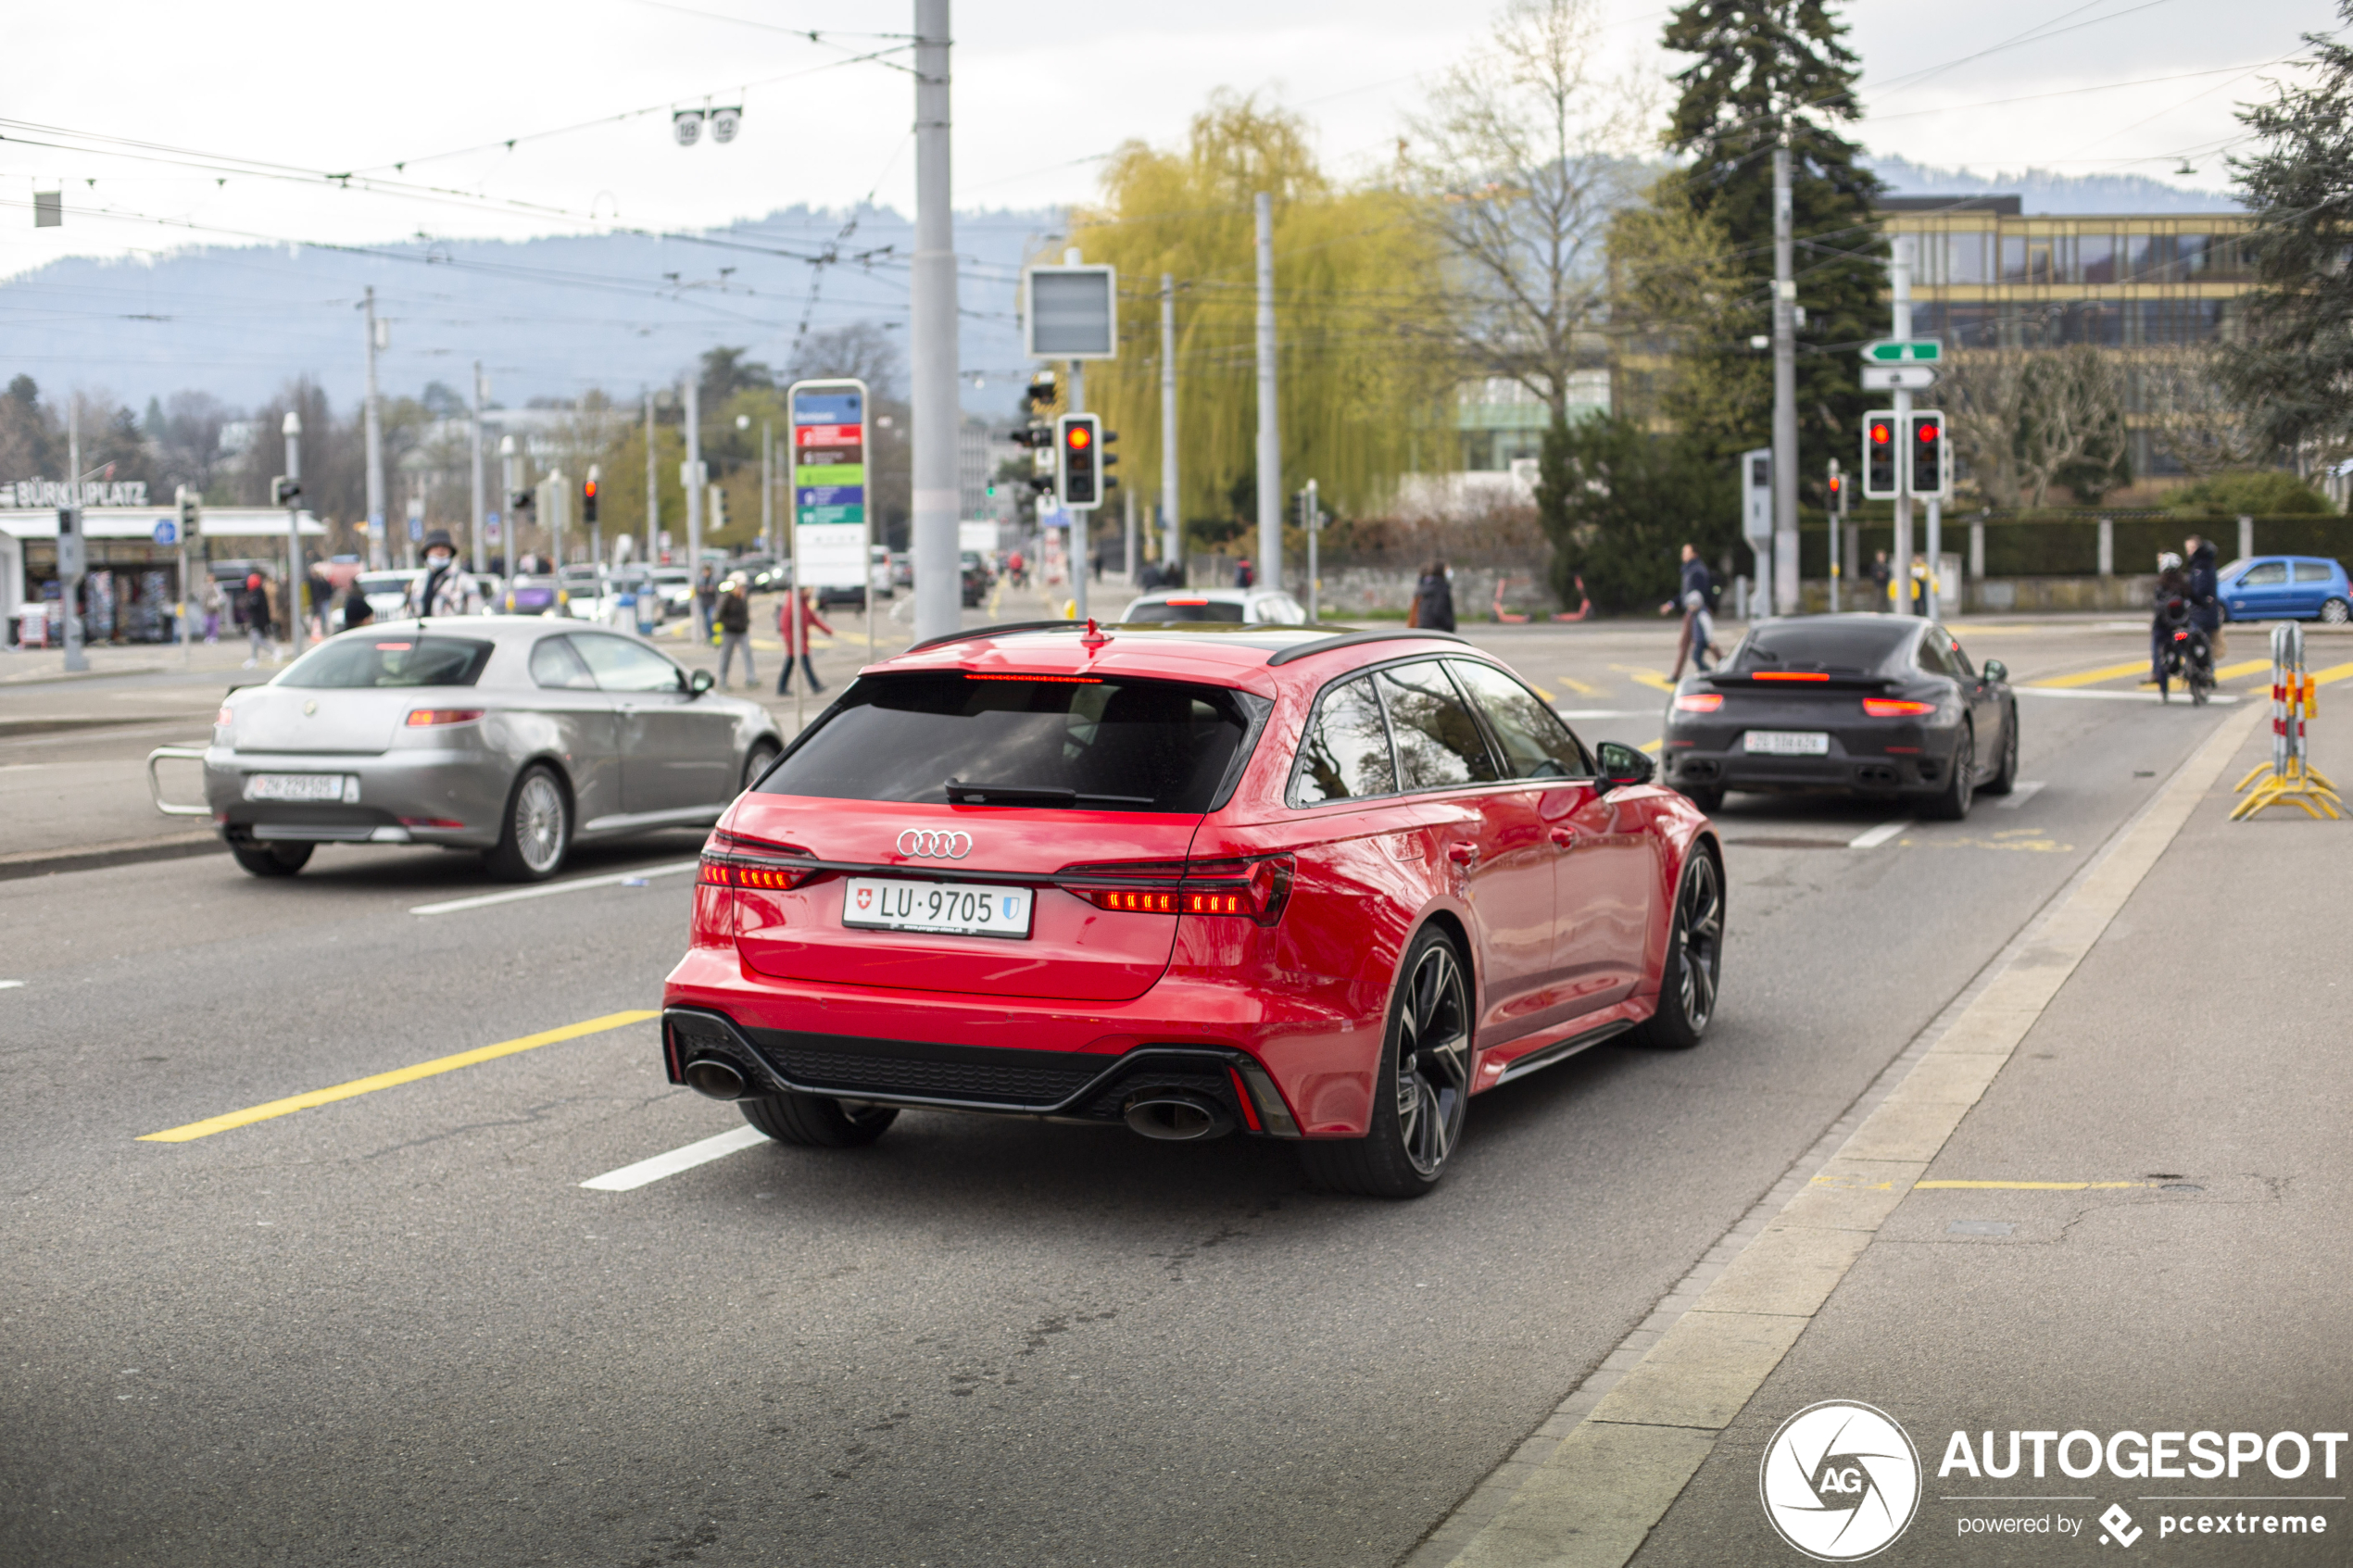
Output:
x,y
1232,606
676,586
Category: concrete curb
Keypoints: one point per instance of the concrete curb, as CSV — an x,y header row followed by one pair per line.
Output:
x,y
1585,1491
95,857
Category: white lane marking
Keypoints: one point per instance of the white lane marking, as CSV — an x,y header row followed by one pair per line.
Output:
x,y
10,984
1601,712
631,1177
452,905
1879,835
2021,793
2223,698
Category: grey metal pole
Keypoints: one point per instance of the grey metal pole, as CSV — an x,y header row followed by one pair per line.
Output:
x,y
1900,278
1930,605
690,476
1270,445
1128,539
379,553
1785,595
653,495
292,425
932,338
1082,523
1172,544
69,584
481,562
1311,517
767,487
507,460
1839,566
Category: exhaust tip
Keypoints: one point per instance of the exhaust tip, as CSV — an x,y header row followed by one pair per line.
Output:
x,y
720,1080
1176,1118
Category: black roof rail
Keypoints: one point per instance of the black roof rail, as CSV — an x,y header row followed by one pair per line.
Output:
x,y
1351,639
997,631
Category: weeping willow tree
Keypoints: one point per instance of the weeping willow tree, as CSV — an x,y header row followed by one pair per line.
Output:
x,y
1356,283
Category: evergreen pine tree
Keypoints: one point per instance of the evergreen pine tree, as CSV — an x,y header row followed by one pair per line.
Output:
x,y
2296,357
1759,60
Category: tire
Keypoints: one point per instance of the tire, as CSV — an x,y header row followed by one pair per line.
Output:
x,y
1694,967
762,754
2335,612
1708,800
1422,1088
1951,804
271,860
535,835
2006,780
815,1121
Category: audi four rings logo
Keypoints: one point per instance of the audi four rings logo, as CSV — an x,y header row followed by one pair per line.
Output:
x,y
930,844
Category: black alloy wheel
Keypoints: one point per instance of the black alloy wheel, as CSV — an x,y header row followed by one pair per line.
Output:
x,y
271,860
2004,780
1952,803
816,1122
1687,987
1422,1093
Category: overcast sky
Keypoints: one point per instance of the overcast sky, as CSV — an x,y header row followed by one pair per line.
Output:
x,y
2121,85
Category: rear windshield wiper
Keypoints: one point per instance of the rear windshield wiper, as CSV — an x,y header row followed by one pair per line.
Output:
x,y
962,791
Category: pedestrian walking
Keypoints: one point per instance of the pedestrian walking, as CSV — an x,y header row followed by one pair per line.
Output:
x,y
445,589
706,603
1882,580
357,610
1434,598
256,608
213,601
809,618
1696,641
1244,573
734,632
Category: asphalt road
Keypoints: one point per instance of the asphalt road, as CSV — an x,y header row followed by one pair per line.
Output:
x,y
396,1328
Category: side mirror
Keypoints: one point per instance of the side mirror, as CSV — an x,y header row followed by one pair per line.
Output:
x,y
1997,670
699,683
1622,765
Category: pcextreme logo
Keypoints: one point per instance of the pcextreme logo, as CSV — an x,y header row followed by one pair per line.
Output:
x,y
1840,1481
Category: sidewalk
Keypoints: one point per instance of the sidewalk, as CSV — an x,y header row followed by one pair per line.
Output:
x,y
2109,1195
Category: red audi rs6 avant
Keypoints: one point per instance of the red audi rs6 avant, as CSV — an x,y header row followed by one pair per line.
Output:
x,y
1276,881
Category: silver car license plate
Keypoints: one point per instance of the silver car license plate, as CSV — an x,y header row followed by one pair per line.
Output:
x,y
1787,743
953,908
308,788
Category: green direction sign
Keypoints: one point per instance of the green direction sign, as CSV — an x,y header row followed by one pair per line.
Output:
x,y
1899,351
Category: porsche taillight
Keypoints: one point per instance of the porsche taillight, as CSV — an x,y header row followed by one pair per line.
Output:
x,y
1698,702
1895,708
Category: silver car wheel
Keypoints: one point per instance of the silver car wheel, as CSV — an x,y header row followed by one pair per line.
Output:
x,y
539,823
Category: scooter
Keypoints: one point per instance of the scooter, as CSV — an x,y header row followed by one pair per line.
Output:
x,y
2187,656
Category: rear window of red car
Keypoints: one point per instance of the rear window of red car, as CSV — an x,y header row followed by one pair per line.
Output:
x,y
1106,743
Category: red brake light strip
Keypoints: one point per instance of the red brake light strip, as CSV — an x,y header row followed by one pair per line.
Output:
x,y
1053,680
1789,675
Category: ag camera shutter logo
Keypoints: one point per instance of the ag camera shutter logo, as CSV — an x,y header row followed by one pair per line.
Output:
x,y
1840,1481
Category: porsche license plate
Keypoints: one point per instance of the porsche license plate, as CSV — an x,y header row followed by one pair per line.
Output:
x,y
309,788
1787,743
952,907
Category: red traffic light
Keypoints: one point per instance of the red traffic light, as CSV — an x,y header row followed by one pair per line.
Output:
x,y
590,489
1881,432
1926,430
1079,437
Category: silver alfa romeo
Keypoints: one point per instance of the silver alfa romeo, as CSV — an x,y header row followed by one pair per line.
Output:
x,y
517,735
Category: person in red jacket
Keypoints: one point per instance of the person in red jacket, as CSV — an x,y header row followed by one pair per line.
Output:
x,y
809,618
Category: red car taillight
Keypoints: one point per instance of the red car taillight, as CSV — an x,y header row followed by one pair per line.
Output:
x,y
1255,888
1895,708
1699,702
726,870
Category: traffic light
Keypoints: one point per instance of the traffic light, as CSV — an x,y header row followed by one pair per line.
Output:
x,y
1110,459
1927,448
1835,491
1878,455
1041,395
1078,441
282,491
191,515
589,498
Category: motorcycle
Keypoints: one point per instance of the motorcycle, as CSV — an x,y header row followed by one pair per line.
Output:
x,y
2185,654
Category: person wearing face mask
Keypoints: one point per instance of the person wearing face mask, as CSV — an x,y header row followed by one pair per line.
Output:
x,y
445,589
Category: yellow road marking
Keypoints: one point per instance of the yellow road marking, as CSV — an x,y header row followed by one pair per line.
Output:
x,y
2336,673
2245,667
1580,687
2036,1186
439,1064
1643,677
1539,691
2093,677
1654,746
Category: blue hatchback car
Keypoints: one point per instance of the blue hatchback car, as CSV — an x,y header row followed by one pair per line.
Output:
x,y
2286,588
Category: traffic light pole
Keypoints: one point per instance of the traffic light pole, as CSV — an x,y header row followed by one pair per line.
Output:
x,y
481,555
1900,275
293,595
1270,445
379,551
1082,521
71,571
1171,544
690,477
653,497
932,325
1785,595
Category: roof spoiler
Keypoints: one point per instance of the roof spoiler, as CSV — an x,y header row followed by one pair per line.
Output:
x,y
1000,629
1353,639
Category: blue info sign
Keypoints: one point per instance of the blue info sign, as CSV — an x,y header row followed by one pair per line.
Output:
x,y
167,530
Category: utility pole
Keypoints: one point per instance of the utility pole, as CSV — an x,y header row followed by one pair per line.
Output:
x,y
1172,543
1270,445
1785,595
481,563
767,488
510,465
690,475
932,341
1082,521
379,551
1900,274
1311,519
71,571
653,494
292,428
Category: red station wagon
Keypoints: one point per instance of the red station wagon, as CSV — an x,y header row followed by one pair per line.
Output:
x,y
1281,882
